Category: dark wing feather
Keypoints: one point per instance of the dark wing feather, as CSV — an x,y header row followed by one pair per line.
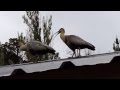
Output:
x,y
76,42
36,46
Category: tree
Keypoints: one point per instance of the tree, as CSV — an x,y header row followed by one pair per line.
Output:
x,y
22,39
33,22
47,37
116,46
38,29
9,52
1,55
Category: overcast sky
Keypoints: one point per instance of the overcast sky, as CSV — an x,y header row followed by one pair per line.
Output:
x,y
97,27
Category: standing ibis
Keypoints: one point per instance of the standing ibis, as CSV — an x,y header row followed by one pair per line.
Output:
x,y
74,42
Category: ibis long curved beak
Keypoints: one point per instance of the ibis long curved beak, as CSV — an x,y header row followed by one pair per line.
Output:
x,y
55,34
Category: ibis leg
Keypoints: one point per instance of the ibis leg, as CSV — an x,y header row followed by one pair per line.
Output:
x,y
73,54
79,53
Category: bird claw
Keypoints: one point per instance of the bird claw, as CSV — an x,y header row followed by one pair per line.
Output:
x,y
78,57
70,57
74,57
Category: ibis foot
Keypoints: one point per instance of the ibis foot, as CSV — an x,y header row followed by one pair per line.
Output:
x,y
71,57
78,57
74,57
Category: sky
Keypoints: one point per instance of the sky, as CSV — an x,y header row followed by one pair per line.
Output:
x,y
97,27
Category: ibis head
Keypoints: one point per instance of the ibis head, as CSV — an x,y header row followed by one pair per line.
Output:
x,y
61,30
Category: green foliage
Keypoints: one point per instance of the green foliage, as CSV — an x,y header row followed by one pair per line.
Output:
x,y
116,46
47,37
9,52
21,38
32,21
1,56
47,24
